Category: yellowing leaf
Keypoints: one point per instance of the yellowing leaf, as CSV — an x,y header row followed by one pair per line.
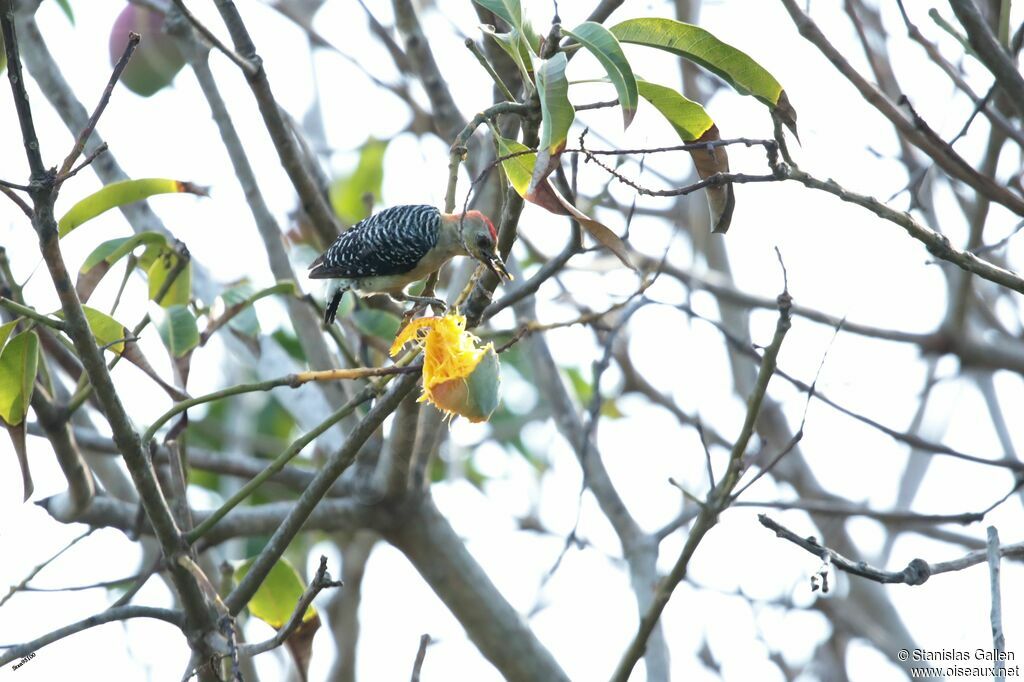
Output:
x,y
278,595
5,333
99,262
109,332
688,118
179,291
18,363
693,124
519,170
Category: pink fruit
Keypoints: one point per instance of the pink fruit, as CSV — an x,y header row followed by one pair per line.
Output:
x,y
156,60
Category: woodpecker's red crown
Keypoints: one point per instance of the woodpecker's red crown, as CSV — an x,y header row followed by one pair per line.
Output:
x,y
486,221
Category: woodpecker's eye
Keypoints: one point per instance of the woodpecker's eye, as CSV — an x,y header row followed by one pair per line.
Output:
x,y
483,241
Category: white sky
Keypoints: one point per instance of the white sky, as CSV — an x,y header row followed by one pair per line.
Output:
x,y
840,259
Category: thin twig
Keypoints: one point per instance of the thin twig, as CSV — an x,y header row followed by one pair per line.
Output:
x,y
103,148
718,498
325,477
23,585
421,655
120,613
19,202
32,314
76,151
290,380
321,581
916,573
996,613
247,66
480,57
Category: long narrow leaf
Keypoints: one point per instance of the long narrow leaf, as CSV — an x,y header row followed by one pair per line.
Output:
x,y
519,170
603,44
104,256
509,10
348,193
119,194
18,363
738,69
5,333
693,124
115,337
517,47
557,113
177,328
166,265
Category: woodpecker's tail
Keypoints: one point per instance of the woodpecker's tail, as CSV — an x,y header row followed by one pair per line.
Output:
x,y
332,307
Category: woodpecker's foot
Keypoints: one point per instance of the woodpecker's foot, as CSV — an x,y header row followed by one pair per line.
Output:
x,y
422,302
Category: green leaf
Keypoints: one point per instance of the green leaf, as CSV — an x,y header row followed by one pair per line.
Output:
x,y
178,329
3,55
234,307
556,110
119,194
688,118
17,434
519,169
379,323
736,68
103,257
275,422
693,124
5,333
603,45
65,7
509,10
165,265
517,47
289,343
278,594
108,332
18,363
347,193
111,334
115,249
238,302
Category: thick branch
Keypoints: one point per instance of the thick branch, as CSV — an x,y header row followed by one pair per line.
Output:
x,y
990,52
314,203
309,499
502,635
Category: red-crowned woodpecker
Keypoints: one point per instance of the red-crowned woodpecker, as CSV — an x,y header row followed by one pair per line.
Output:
x,y
390,250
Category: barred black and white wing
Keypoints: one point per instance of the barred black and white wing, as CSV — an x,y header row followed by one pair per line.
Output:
x,y
387,243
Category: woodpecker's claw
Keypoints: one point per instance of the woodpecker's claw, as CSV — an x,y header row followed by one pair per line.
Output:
x,y
422,302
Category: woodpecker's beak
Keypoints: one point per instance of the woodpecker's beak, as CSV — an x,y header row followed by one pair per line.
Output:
x,y
495,265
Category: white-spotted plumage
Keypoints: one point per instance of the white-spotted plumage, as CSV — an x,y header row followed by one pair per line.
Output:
x,y
400,245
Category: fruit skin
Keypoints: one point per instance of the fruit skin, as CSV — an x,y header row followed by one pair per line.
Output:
x,y
474,397
157,59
